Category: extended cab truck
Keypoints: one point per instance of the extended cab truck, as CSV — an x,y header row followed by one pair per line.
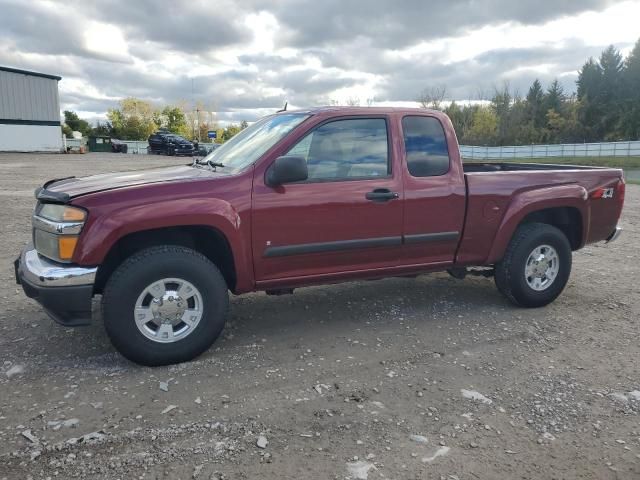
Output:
x,y
304,198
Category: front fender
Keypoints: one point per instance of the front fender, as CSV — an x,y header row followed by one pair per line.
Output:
x,y
527,202
104,229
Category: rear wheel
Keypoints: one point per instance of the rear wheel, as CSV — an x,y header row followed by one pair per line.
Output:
x,y
165,305
536,265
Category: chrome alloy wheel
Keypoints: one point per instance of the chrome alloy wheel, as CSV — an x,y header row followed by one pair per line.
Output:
x,y
168,310
542,267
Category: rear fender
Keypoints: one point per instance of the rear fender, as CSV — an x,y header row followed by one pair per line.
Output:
x,y
524,203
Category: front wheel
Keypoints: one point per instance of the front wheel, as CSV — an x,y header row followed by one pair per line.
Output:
x,y
536,265
165,305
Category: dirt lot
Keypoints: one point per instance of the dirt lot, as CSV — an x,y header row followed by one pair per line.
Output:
x,y
342,381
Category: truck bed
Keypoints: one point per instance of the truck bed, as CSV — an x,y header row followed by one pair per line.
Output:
x,y
496,190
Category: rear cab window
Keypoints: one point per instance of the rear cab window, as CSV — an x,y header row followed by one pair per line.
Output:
x,y
425,145
346,149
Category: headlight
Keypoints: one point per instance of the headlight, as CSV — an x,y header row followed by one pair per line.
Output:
x,y
56,229
61,213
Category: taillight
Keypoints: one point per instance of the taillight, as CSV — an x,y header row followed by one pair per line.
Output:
x,y
602,193
620,189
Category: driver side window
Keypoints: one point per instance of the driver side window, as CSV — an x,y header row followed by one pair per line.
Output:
x,y
345,150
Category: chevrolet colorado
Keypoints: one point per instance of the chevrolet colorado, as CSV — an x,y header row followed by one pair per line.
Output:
x,y
302,198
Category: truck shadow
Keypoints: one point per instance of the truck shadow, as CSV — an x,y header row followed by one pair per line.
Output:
x,y
339,309
328,311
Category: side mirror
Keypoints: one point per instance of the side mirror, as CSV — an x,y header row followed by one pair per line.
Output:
x,y
287,170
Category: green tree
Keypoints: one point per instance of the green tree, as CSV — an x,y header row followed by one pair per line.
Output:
x,y
589,80
462,119
631,89
606,107
535,113
501,105
612,66
173,119
589,95
102,129
66,131
134,120
75,123
230,131
485,127
554,97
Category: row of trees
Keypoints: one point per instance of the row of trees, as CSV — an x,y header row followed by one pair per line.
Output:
x,y
136,119
606,107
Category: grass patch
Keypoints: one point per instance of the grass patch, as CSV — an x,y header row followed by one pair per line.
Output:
x,y
619,162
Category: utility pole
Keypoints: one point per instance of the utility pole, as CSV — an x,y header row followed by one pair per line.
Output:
x,y
193,102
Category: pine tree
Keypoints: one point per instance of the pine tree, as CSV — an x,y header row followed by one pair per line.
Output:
x,y
554,98
631,91
589,80
535,105
611,93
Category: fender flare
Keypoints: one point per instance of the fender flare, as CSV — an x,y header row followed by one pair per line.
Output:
x,y
529,201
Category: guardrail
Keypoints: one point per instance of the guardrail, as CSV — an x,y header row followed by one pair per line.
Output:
x,y
568,150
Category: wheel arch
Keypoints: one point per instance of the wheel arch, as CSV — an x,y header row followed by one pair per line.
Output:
x,y
563,207
209,241
566,219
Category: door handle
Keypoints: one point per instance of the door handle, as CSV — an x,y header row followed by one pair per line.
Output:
x,y
381,195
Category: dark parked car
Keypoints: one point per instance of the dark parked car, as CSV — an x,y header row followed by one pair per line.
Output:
x,y
205,149
170,144
118,146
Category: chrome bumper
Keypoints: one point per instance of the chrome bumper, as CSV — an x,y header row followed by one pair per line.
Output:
x,y
614,235
42,272
64,291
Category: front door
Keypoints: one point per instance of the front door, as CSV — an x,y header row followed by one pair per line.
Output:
x,y
345,218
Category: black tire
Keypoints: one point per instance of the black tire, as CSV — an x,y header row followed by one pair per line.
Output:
x,y
125,148
510,271
140,270
171,151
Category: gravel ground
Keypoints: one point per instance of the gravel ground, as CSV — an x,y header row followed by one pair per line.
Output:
x,y
398,378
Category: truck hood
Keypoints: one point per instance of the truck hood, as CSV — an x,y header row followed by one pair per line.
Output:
x,y
74,187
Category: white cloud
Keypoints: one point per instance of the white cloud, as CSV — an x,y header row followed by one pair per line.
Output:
x,y
246,58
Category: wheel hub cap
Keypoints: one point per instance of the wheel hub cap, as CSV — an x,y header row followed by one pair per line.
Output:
x,y
542,267
168,310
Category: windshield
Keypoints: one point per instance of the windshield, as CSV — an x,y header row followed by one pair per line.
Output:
x,y
252,142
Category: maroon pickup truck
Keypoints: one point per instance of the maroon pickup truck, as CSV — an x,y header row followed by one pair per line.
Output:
x,y
303,198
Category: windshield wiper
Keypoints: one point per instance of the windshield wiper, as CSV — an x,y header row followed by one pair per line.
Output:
x,y
214,164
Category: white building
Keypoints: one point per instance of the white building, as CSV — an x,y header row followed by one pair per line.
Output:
x,y
29,111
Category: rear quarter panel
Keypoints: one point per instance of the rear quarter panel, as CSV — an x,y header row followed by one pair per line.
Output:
x,y
499,201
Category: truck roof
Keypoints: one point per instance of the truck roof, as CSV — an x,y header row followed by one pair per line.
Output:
x,y
348,110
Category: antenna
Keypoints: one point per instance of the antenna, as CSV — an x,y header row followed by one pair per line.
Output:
x,y
284,109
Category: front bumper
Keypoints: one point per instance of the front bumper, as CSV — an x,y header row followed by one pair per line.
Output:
x,y
63,290
614,235
184,151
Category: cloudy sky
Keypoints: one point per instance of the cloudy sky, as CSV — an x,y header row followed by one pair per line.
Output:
x,y
244,58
